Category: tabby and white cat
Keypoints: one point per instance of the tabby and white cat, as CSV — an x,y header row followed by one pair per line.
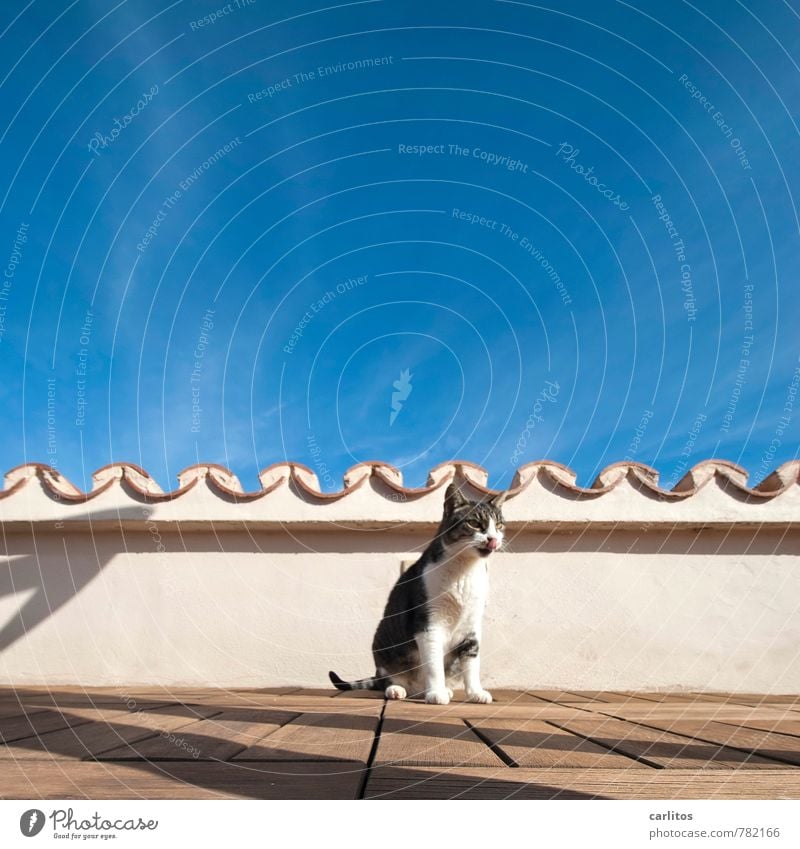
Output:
x,y
431,628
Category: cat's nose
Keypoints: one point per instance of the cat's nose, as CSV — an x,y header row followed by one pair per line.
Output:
x,y
492,543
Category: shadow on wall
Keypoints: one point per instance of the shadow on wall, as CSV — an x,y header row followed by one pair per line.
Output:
x,y
52,568
23,574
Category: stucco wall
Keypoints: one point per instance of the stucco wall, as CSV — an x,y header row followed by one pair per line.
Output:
x,y
607,608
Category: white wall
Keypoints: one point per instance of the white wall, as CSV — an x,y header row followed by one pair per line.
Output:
x,y
597,609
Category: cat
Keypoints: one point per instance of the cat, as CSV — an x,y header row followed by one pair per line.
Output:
x,y
431,628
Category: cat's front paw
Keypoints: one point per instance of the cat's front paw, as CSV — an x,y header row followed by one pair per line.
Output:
x,y
438,697
481,697
395,691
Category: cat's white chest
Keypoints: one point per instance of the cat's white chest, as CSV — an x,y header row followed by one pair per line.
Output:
x,y
470,588
457,594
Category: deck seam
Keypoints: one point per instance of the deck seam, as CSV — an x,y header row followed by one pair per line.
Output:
x,y
38,735
362,789
752,752
93,756
741,724
570,705
637,758
495,747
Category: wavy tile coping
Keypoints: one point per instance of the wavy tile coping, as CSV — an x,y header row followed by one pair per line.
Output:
x,y
280,474
712,492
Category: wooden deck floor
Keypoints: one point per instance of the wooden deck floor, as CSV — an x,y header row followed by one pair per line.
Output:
x,y
271,744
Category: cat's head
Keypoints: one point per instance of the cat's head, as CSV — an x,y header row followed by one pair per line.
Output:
x,y
477,525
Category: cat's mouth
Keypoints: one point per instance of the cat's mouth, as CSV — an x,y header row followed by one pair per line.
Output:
x,y
485,551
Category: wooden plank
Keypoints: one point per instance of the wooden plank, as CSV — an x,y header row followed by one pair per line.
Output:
x,y
648,697
559,696
213,692
152,699
216,738
515,697
625,698
660,747
61,694
686,697
689,708
373,695
767,744
609,697
534,743
178,780
774,703
723,698
591,695
61,688
359,707
132,699
298,704
127,701
443,741
691,712
317,692
790,700
8,711
8,691
274,691
110,730
496,709
42,721
317,737
781,726
680,699
468,782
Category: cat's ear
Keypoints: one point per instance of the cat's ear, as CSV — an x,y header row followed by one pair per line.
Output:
x,y
496,501
454,498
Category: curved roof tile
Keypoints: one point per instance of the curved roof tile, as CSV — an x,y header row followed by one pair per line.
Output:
x,y
226,484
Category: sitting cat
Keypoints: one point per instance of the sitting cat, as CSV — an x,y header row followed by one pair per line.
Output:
x,y
431,627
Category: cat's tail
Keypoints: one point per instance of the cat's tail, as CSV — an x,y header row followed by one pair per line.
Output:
x,y
374,683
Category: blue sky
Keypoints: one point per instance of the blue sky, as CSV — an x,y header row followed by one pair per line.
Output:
x,y
231,233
